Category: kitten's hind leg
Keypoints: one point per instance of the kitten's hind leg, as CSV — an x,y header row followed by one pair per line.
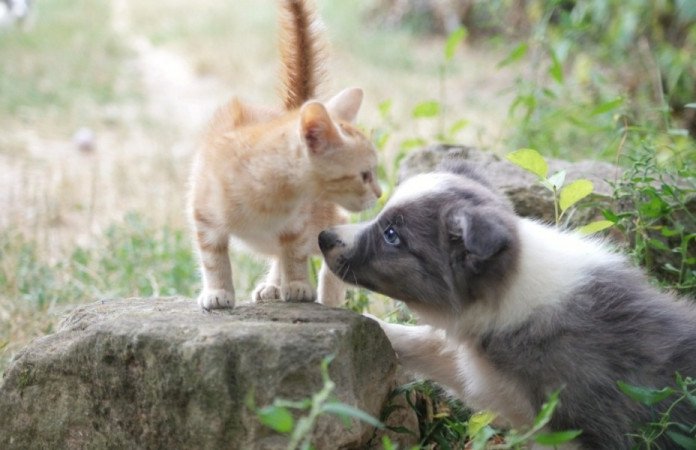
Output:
x,y
332,291
218,290
269,290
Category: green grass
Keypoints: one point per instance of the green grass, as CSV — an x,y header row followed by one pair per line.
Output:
x,y
62,67
132,259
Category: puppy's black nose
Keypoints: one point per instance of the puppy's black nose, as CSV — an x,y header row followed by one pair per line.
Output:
x,y
327,240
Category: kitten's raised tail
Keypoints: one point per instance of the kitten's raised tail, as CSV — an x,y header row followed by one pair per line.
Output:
x,y
301,51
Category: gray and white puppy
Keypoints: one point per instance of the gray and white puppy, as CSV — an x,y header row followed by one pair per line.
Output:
x,y
517,309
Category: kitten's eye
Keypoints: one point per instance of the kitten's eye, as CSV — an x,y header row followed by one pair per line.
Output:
x,y
391,237
366,176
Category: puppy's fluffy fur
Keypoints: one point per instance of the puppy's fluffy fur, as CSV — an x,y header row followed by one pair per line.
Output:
x,y
516,309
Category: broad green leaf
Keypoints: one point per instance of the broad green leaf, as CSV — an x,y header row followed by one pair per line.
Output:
x,y
478,421
595,227
277,418
557,179
607,106
646,396
556,69
681,440
344,410
530,160
453,41
547,410
557,438
515,54
574,192
426,109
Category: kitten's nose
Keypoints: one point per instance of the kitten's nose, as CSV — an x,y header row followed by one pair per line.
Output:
x,y
327,240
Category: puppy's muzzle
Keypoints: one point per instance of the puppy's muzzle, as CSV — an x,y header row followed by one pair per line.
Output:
x,y
328,239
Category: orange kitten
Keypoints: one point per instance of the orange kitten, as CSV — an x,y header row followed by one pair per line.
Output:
x,y
272,179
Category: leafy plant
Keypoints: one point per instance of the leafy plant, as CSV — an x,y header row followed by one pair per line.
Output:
x,y
279,418
683,395
655,212
481,430
564,196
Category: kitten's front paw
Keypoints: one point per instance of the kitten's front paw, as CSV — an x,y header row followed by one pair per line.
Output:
x,y
298,291
216,299
266,292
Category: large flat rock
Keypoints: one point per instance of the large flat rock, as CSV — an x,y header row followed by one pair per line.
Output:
x,y
161,373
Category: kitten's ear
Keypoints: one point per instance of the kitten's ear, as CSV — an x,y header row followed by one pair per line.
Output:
x,y
317,129
346,104
476,236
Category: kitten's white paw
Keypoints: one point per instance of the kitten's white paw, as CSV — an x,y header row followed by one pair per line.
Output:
x,y
298,291
266,292
216,299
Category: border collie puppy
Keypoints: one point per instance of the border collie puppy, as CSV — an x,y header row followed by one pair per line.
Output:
x,y
516,309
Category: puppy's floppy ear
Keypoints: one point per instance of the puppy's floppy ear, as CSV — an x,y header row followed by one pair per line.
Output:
x,y
476,236
345,104
317,129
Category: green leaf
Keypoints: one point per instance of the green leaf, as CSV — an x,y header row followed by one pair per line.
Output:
x,y
653,208
385,108
426,109
453,41
644,395
595,227
686,442
556,69
530,160
515,54
557,438
480,441
381,140
607,106
479,421
547,410
458,126
574,192
410,144
557,179
277,418
387,443
344,410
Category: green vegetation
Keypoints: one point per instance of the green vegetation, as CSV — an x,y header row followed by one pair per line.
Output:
x,y
65,68
278,417
681,434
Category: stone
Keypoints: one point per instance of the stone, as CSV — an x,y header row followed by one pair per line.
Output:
x,y
529,198
161,373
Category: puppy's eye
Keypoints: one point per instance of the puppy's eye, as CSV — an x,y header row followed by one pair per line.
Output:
x,y
366,176
391,237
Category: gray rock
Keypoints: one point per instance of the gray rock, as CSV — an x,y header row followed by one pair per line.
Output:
x,y
160,373
529,198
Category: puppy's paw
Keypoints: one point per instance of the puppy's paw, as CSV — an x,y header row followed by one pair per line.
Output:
x,y
266,292
298,291
216,299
